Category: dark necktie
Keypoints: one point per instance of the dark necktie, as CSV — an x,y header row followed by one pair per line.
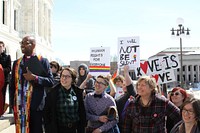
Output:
x,y
98,95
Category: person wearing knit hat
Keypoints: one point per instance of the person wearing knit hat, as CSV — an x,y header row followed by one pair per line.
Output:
x,y
177,96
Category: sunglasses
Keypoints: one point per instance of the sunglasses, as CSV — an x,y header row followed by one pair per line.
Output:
x,y
176,94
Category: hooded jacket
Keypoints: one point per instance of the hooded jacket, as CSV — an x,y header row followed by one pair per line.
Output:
x,y
90,83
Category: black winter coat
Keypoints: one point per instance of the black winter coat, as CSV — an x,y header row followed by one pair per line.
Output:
x,y
5,61
50,110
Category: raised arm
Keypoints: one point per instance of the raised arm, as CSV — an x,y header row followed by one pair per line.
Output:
x,y
112,86
82,86
128,81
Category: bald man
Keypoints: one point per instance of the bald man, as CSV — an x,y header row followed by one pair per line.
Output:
x,y
30,74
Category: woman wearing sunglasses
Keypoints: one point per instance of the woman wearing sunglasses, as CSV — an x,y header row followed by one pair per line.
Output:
x,y
190,111
177,96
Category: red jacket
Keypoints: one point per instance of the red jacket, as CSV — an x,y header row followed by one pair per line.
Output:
x,y
1,86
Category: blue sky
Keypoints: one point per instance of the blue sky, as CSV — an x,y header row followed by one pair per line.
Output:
x,y
79,25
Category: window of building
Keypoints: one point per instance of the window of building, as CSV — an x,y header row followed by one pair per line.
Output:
x,y
195,77
15,19
183,68
4,12
183,77
189,77
189,68
195,68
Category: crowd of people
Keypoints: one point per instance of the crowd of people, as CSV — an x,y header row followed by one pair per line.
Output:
x,y
47,98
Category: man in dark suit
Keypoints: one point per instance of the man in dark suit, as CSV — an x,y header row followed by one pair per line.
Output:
x,y
30,74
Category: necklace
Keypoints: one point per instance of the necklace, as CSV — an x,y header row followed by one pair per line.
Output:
x,y
145,105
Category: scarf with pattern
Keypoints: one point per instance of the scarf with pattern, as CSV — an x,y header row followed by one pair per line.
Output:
x,y
22,99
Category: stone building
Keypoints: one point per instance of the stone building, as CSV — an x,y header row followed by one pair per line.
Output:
x,y
19,18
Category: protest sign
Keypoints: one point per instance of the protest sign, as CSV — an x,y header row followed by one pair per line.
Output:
x,y
99,61
128,52
161,68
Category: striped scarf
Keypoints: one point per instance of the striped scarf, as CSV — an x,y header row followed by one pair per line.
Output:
x,y
22,99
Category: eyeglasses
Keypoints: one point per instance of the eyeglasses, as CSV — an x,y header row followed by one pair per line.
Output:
x,y
175,94
100,83
190,112
65,76
24,43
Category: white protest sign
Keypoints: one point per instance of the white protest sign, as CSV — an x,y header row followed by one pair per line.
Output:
x,y
164,77
162,68
129,52
99,61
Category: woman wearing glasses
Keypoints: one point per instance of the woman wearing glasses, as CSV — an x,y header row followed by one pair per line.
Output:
x,y
64,108
177,96
190,112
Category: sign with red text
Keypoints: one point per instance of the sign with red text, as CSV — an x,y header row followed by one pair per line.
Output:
x,y
99,61
161,68
128,52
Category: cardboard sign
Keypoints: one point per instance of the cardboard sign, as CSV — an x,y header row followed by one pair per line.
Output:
x,y
129,52
99,61
161,68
